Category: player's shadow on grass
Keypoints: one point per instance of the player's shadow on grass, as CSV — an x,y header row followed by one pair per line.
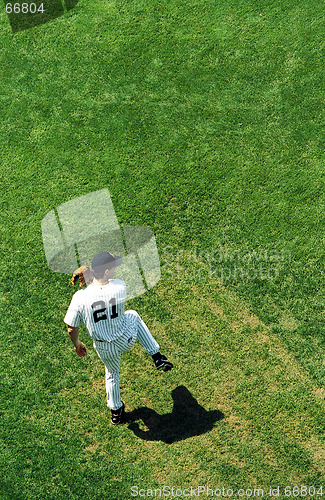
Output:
x,y
187,419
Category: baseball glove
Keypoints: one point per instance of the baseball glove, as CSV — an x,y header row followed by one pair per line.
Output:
x,y
83,274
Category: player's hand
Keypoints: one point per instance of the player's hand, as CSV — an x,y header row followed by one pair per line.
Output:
x,y
81,349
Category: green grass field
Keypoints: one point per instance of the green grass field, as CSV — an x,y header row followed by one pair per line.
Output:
x,y
205,121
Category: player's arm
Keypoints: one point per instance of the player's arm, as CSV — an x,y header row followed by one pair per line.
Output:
x,y
73,332
79,347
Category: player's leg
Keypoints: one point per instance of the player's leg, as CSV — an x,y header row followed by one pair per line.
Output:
x,y
111,358
110,354
112,381
147,340
142,331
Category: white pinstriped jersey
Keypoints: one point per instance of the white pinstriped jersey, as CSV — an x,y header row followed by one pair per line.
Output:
x,y
101,309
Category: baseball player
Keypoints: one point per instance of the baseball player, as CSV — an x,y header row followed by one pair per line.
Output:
x,y
100,306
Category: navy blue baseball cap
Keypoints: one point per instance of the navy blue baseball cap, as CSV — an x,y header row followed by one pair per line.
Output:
x,y
105,260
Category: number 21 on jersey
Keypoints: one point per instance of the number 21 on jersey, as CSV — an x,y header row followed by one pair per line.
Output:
x,y
100,314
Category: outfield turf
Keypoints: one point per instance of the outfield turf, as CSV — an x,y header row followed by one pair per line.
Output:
x,y
205,121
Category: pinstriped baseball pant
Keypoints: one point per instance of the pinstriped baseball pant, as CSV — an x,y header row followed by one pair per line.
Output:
x,y
110,354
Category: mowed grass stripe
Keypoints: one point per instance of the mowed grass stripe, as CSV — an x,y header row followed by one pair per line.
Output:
x,y
255,380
